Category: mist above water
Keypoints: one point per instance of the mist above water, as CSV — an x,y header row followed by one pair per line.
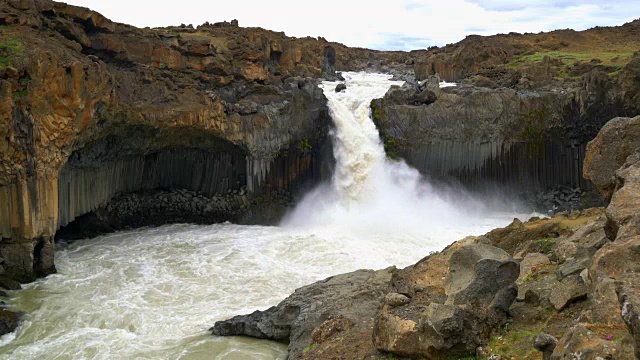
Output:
x,y
371,193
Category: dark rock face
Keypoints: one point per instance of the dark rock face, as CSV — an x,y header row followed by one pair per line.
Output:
x,y
9,321
525,139
337,302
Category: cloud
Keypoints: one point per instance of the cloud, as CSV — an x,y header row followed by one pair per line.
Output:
x,y
402,42
391,25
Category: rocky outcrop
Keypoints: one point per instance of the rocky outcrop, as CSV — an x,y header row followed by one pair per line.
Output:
x,y
520,138
617,140
523,110
315,313
451,316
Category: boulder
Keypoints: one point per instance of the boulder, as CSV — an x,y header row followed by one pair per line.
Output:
x,y
349,297
623,212
452,314
530,264
546,344
9,321
605,154
570,289
341,87
573,266
629,297
616,260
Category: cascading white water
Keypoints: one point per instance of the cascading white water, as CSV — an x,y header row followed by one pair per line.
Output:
x,y
369,192
153,293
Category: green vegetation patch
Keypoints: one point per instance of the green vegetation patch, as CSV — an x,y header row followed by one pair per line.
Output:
x,y
11,48
613,61
545,245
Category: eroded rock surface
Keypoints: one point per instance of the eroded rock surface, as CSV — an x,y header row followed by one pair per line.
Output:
x,y
450,317
316,312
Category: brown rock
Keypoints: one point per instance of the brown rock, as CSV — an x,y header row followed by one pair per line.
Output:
x,y
529,264
605,154
581,343
571,289
330,328
479,290
395,299
623,213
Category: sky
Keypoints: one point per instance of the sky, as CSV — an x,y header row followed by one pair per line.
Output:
x,y
377,24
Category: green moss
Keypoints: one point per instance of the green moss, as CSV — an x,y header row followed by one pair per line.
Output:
x,y
21,94
391,145
533,131
11,49
309,348
305,145
545,245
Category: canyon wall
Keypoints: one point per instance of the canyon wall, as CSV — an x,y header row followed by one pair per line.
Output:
x,y
522,137
94,110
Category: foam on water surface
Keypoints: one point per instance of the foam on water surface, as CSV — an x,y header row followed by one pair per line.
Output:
x,y
153,293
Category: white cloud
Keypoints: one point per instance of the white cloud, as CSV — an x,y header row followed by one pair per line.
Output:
x,y
392,24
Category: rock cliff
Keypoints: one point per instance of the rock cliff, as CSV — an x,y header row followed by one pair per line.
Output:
x,y
523,111
523,136
93,109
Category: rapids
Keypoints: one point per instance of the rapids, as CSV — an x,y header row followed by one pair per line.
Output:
x,y
152,293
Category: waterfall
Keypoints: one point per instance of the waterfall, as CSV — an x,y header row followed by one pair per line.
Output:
x,y
369,192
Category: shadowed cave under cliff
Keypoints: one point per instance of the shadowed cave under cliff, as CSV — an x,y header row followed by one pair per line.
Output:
x,y
133,179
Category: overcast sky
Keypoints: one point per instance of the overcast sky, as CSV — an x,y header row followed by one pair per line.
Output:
x,y
378,24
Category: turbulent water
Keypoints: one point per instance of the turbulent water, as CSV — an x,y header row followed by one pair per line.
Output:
x,y
153,293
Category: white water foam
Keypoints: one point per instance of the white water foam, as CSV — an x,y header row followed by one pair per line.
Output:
x,y
153,293
373,194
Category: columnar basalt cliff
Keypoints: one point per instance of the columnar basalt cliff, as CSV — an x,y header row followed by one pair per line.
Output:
x,y
93,109
524,108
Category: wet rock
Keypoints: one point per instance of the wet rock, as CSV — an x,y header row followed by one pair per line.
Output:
x,y
350,297
9,283
9,321
570,289
341,87
546,344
